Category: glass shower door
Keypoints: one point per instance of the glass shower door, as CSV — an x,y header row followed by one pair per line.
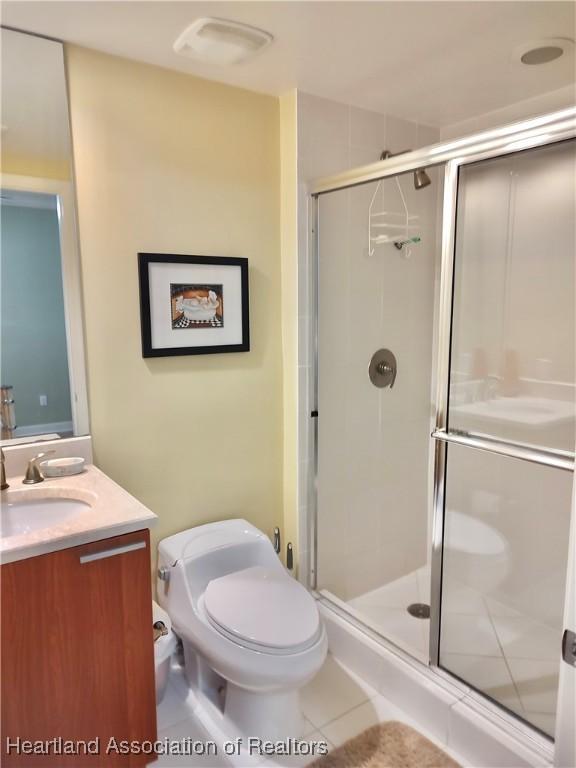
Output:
x,y
510,428
376,292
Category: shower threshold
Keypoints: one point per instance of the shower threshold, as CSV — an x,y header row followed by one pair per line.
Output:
x,y
384,611
509,681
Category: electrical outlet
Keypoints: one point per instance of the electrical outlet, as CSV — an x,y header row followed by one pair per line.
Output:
x,y
43,399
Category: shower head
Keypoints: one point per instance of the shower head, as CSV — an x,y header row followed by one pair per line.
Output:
x,y
421,178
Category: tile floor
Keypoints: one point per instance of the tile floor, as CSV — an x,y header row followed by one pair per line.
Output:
x,y
505,654
384,609
336,705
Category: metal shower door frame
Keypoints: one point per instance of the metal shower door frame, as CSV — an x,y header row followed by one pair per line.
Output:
x,y
441,435
526,134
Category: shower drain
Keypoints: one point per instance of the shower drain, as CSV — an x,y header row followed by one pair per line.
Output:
x,y
419,610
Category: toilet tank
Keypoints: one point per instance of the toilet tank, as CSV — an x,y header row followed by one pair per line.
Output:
x,y
208,551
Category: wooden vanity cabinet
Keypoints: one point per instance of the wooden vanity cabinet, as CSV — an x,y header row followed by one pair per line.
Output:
x,y
77,652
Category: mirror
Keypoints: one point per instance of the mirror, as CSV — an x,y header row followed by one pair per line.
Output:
x,y
43,394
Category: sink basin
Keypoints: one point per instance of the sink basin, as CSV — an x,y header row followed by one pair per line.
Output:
x,y
26,511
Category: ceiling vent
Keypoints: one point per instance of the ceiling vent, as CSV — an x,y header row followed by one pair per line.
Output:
x,y
218,41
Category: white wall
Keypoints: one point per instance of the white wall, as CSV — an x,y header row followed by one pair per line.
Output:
x,y
373,474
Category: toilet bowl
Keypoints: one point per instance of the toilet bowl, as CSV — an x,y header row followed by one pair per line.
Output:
x,y
252,635
164,647
476,554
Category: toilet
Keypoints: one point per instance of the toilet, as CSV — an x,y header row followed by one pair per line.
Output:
x,y
252,635
476,553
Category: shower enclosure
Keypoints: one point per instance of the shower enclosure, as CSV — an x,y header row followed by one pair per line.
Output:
x,y
443,419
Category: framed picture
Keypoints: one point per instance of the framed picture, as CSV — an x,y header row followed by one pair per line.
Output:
x,y
193,305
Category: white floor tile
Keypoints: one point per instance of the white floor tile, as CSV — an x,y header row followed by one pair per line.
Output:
x,y
487,674
308,727
358,719
401,628
523,638
410,633
537,683
377,710
174,707
345,704
397,594
458,598
313,739
385,609
497,608
331,693
189,729
472,635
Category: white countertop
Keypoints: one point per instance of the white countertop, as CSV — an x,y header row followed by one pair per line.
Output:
x,y
112,512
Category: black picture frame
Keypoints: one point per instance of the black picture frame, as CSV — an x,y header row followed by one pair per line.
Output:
x,y
148,350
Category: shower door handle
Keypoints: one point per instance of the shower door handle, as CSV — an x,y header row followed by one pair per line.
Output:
x,y
569,647
546,456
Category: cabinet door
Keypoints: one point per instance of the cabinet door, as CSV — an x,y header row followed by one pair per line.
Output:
x,y
77,651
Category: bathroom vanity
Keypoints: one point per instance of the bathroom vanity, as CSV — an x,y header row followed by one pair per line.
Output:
x,y
76,624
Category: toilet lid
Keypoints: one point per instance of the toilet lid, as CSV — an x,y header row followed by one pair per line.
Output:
x,y
263,606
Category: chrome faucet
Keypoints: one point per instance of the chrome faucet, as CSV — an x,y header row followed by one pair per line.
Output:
x,y
33,474
3,483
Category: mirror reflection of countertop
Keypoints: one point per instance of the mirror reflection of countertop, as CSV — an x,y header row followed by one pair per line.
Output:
x,y
65,512
526,410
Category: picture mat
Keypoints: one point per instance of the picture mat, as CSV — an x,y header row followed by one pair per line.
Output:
x,y
160,275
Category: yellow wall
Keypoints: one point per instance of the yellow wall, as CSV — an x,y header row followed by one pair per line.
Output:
x,y
168,163
289,250
40,167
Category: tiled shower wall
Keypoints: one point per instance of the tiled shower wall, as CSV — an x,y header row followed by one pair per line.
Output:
x,y
373,510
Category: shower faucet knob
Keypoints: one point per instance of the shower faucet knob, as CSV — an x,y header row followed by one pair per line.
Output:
x,y
382,369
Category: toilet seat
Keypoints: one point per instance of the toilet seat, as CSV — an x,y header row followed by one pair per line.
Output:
x,y
288,623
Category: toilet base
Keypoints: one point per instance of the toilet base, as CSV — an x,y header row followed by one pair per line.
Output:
x,y
239,712
267,716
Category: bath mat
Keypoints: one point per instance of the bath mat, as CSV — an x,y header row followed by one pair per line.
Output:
x,y
387,745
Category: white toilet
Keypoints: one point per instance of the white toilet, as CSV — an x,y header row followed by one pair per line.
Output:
x,y
252,635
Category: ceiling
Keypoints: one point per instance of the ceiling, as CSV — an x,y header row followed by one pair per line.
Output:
x,y
435,62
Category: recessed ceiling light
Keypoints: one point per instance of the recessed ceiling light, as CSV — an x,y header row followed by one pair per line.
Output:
x,y
542,55
538,52
219,41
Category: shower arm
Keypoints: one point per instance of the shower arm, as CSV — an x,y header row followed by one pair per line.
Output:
x,y
386,154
